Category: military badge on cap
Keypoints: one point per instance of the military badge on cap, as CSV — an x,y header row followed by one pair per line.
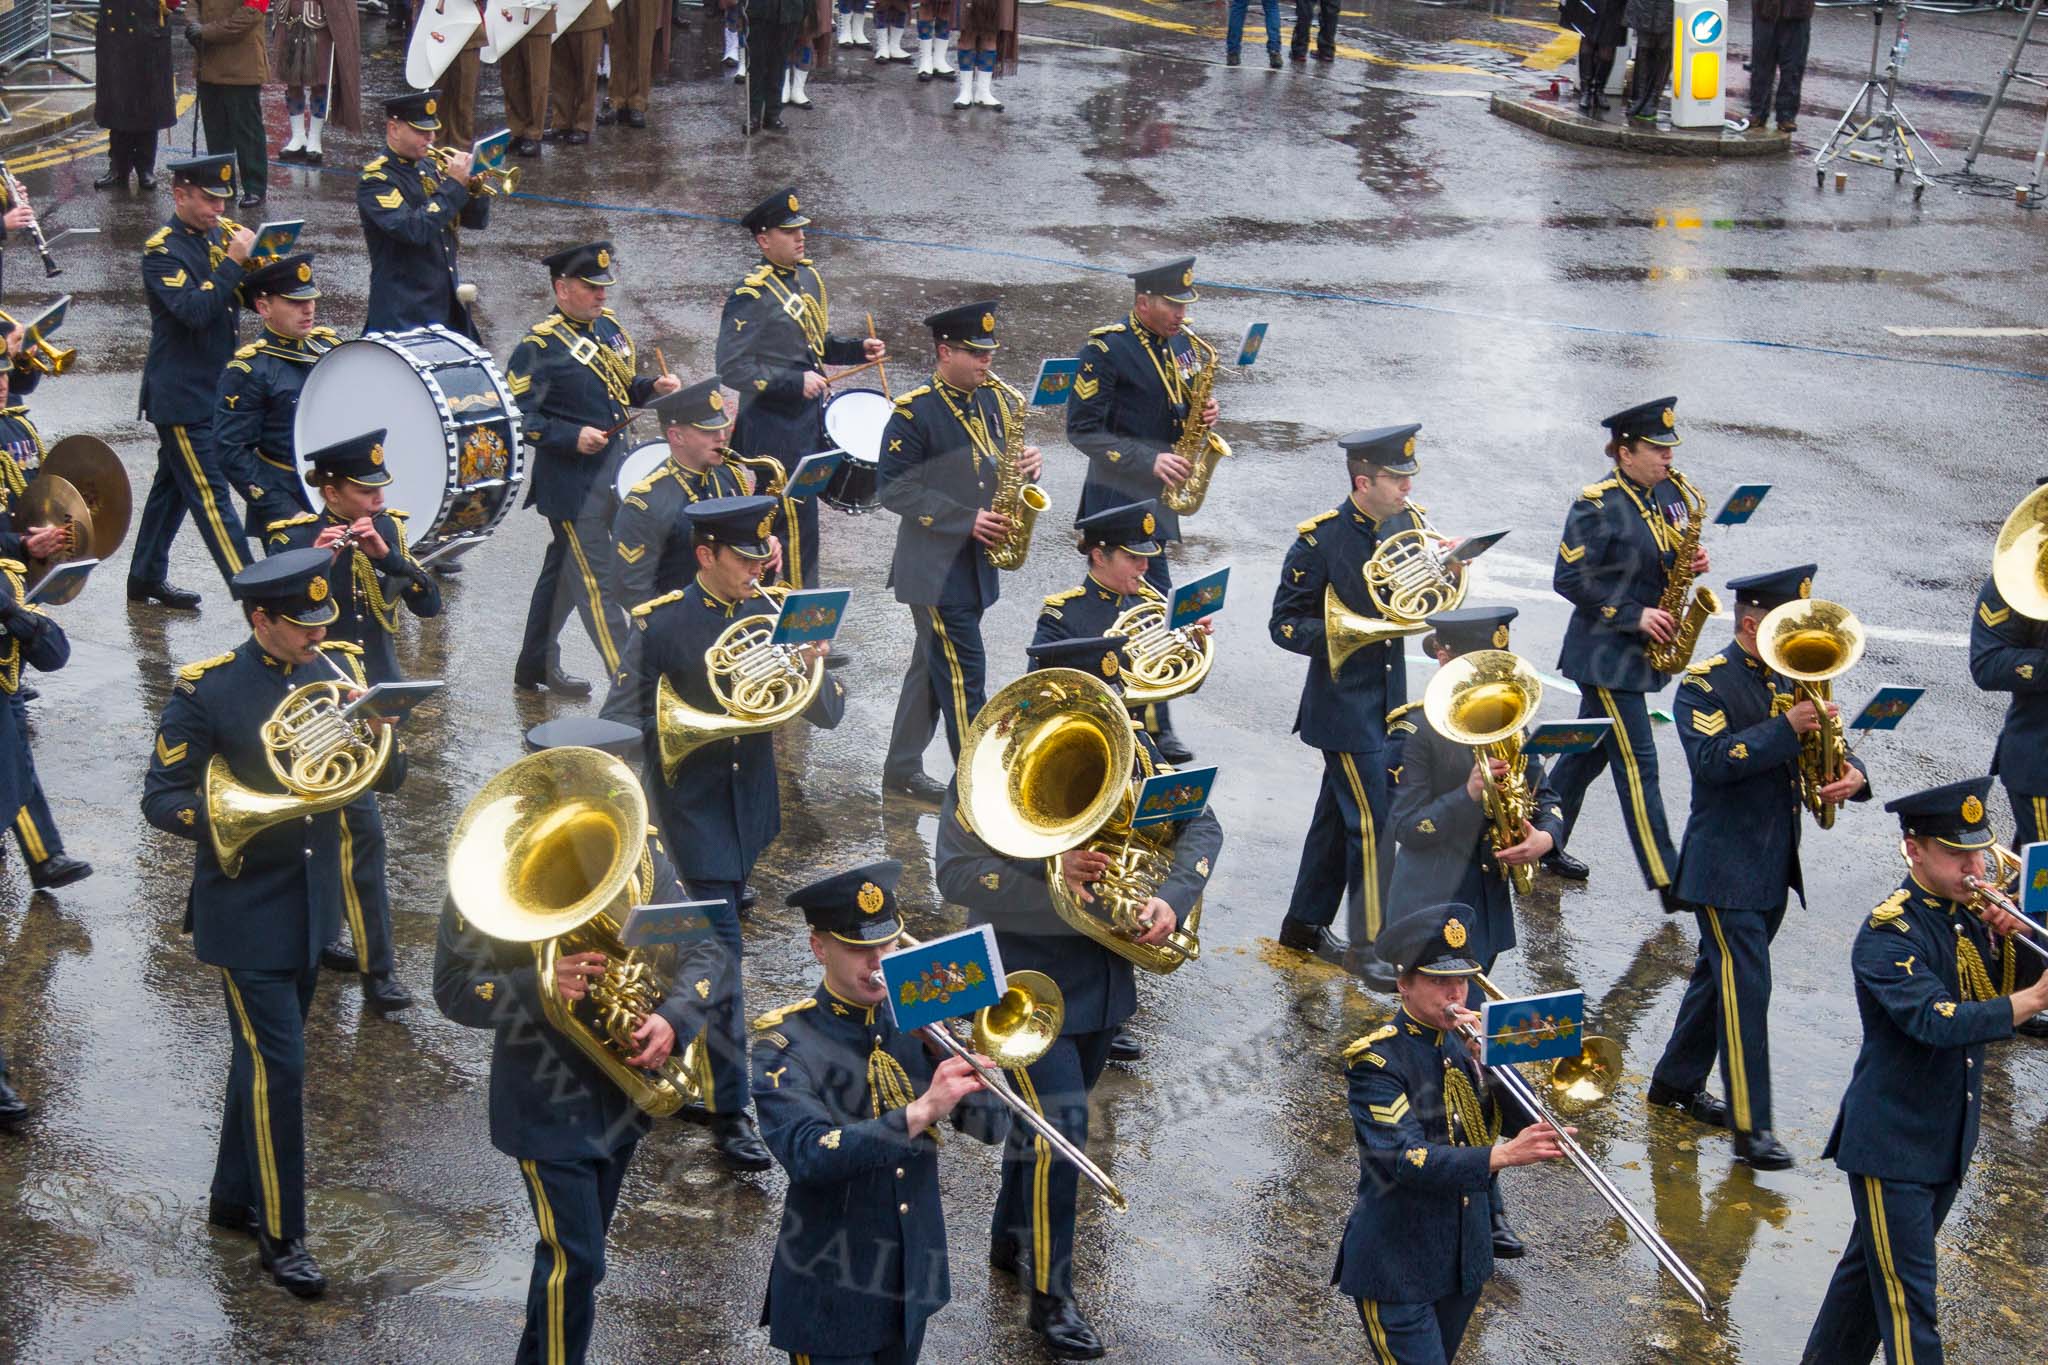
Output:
x,y
767,523
227,173
988,322
316,590
1500,637
377,454
1973,809
1109,666
433,107
304,272
870,898
1806,587
794,207
1149,524
1454,933
715,401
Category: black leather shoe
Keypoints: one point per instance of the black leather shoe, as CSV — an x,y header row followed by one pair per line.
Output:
x,y
2036,1027
1171,749
340,956
1125,1048
525,146
606,115
447,568
383,995
738,1141
1273,58
632,118
291,1265
1702,1106
14,1110
27,693
1304,937
233,1217
1506,1246
145,180
577,138
1668,898
696,1113
555,135
1371,969
840,656
1326,54
567,684
772,122
250,201
919,786
62,870
1559,863
178,599
1761,1151
1232,59
112,180
1006,1255
749,896
1066,1333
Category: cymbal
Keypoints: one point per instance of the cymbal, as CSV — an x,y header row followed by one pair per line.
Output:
x,y
52,501
91,466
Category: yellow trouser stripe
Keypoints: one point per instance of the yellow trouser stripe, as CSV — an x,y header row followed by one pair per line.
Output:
x,y
1646,837
1369,848
598,624
350,900
1731,1026
960,716
31,837
229,551
793,553
1894,1291
1041,1178
1376,1332
266,1151
558,1272
2041,817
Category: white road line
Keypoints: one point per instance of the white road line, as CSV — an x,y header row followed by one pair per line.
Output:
x,y
1968,331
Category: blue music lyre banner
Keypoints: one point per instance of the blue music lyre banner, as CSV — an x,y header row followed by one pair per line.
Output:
x,y
943,979
1196,599
1055,381
1885,710
810,615
2034,882
1173,796
649,926
275,240
1567,736
1254,340
1535,1028
1741,504
812,474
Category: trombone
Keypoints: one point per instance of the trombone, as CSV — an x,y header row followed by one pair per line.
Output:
x,y
1016,1031
1989,893
1597,1064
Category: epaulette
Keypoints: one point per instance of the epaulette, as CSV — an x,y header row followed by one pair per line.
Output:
x,y
1696,674
544,328
396,513
251,349
375,163
1362,1048
300,520
646,485
157,239
13,566
345,646
609,313
1303,528
325,334
903,399
1592,491
1105,331
1069,595
1394,716
193,672
1708,665
1892,911
759,275
764,1022
645,607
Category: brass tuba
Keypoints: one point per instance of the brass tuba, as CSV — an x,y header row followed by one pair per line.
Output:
x,y
2019,560
322,757
1690,614
1813,641
1164,663
759,685
1199,444
1021,502
1484,699
1046,767
553,852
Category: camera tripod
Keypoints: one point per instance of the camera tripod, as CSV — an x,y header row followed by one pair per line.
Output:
x,y
1874,130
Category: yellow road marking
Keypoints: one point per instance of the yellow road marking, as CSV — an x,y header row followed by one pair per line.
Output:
x,y
1553,54
90,144
1357,54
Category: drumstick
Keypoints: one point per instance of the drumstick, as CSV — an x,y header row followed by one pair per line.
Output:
x,y
883,369
835,378
662,361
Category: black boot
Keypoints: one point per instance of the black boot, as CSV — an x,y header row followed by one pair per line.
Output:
x,y
58,870
383,995
1123,1047
1506,1246
340,956
1701,1105
738,1141
179,599
1304,937
1642,105
1587,66
1603,71
1761,1151
116,176
14,1110
291,1265
225,1213
1066,1333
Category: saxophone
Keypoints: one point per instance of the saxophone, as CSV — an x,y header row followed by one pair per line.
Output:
x,y
1690,613
1014,498
1199,444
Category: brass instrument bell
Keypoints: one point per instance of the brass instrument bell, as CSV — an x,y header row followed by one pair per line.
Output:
x,y
2019,558
1045,763
1022,1026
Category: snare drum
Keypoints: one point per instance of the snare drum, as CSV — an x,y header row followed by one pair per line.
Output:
x,y
854,422
451,428
640,462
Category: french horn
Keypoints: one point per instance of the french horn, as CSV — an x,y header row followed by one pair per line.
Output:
x,y
759,686
1165,663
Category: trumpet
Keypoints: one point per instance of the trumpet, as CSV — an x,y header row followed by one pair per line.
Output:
x,y
1812,641
1597,1065
1483,699
1015,1032
482,179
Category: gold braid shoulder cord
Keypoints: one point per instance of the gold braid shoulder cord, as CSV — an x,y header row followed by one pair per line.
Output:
x,y
889,1085
976,427
807,312
1462,1100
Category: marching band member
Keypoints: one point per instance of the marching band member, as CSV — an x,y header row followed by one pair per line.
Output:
x,y
1345,716
1908,1121
1741,732
942,457
722,808
1033,1230
575,378
190,269
1128,406
650,537
851,1106
411,208
1446,840
774,341
1416,1251
31,638
1620,542
381,573
553,1109
259,390
2009,653
263,927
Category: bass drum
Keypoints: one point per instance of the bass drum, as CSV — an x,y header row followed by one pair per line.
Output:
x,y
853,423
640,461
451,429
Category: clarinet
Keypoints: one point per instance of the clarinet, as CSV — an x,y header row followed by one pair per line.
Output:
x,y
17,195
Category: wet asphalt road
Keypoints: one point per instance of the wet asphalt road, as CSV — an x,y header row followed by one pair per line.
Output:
x,y
1418,260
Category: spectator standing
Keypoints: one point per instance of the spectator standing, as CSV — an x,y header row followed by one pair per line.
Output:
x,y
1234,43
1779,33
233,67
134,99
1652,21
